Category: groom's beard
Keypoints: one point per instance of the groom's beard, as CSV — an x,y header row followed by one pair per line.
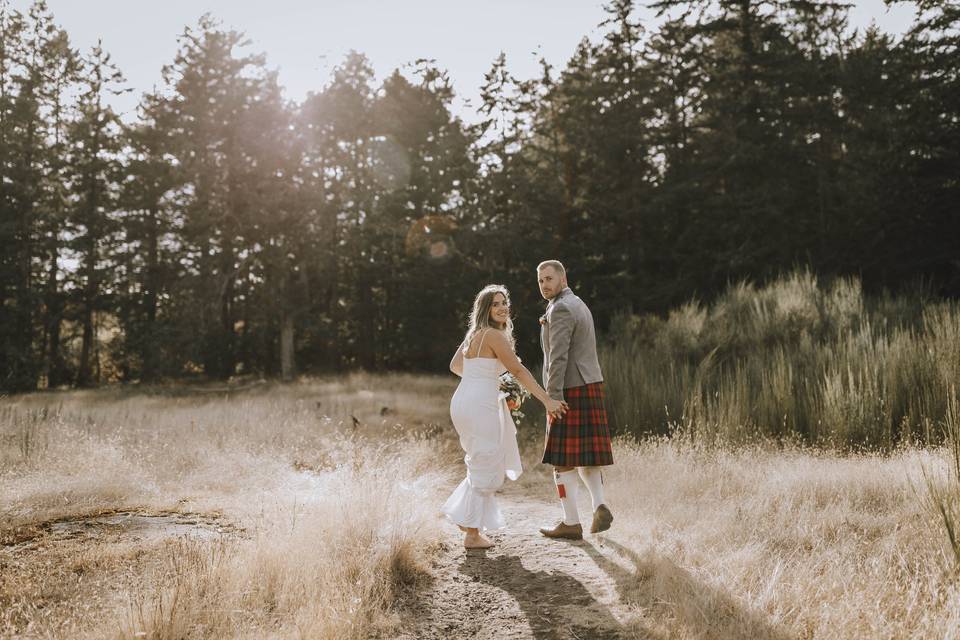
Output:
x,y
550,294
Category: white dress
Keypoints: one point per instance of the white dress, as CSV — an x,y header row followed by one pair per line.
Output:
x,y
489,439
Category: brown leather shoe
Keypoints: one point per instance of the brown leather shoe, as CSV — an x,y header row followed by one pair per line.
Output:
x,y
601,519
567,531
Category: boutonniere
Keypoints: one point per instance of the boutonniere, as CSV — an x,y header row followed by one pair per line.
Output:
x,y
543,320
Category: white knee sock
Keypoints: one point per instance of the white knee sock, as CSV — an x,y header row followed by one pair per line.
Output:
x,y
593,478
567,488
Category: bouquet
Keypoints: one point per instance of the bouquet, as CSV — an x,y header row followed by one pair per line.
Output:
x,y
513,392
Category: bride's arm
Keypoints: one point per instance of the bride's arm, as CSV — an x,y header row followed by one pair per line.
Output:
x,y
504,352
456,363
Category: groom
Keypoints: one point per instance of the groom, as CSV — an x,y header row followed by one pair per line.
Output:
x,y
578,443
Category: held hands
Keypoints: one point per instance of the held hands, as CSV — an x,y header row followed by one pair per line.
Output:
x,y
555,408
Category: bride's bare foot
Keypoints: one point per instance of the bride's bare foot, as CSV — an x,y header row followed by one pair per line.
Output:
x,y
473,540
462,528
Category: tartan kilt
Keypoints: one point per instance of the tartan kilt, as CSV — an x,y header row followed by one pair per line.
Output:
x,y
581,438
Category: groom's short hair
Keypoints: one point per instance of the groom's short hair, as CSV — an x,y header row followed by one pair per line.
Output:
x,y
556,264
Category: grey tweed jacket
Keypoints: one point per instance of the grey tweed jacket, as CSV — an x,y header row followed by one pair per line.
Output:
x,y
569,343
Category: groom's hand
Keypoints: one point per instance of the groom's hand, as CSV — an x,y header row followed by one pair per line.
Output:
x,y
556,415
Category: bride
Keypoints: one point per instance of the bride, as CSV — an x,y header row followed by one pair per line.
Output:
x,y
481,417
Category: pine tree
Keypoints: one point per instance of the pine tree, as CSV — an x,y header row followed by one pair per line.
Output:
x,y
923,236
338,127
34,60
95,140
151,248
53,224
422,165
213,94
765,125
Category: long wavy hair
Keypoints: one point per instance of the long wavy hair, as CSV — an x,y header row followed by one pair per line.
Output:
x,y
480,315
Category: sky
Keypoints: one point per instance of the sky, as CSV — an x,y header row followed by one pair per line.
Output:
x,y
306,39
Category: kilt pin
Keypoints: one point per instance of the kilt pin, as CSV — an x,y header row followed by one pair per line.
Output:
x,y
571,371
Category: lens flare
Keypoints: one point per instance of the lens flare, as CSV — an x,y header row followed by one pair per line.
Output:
x,y
431,237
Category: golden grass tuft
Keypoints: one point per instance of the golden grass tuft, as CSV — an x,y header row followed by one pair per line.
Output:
x,y
327,567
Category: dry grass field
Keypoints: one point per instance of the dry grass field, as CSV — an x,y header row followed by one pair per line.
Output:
x,y
309,511
319,519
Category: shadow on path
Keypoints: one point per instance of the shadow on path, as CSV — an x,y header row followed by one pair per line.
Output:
x,y
659,586
556,605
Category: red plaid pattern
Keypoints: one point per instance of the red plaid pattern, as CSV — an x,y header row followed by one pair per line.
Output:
x,y
581,438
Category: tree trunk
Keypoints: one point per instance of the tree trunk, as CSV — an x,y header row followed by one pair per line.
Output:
x,y
226,358
287,365
91,286
23,371
56,374
84,376
148,346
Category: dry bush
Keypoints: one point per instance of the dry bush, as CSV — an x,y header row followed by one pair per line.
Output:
x,y
792,360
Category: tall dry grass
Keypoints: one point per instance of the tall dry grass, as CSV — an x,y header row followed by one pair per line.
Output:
x,y
943,486
793,360
328,565
330,488
765,542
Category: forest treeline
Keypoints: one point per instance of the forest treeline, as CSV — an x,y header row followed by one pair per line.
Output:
x,y
228,231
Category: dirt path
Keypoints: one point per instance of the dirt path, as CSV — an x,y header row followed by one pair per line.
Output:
x,y
527,586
